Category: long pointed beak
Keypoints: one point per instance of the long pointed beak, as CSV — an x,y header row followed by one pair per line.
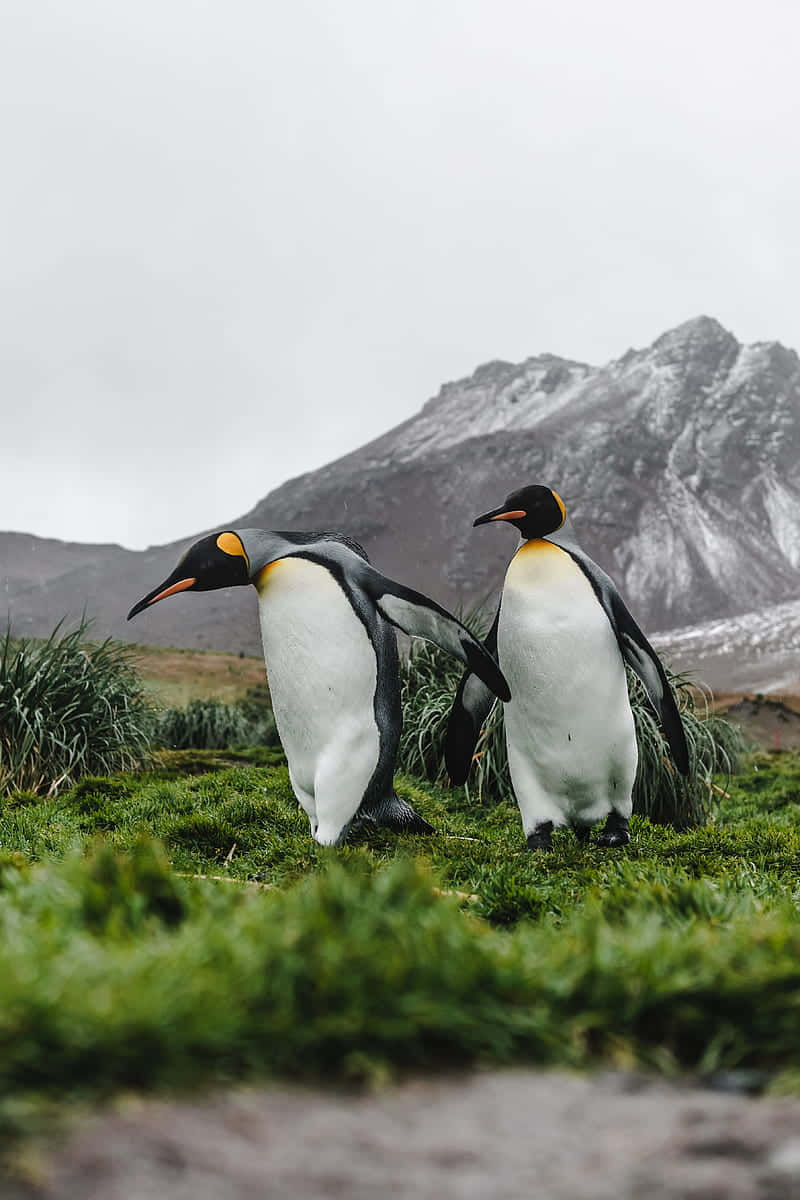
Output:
x,y
500,514
160,593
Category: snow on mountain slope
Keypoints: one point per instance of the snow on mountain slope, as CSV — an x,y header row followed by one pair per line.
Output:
x,y
752,652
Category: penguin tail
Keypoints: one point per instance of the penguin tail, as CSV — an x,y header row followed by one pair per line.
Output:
x,y
398,815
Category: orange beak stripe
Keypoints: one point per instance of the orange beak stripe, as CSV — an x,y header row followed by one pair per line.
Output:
x,y
514,515
170,591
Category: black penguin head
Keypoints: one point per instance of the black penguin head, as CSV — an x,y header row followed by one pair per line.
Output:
x,y
216,561
535,510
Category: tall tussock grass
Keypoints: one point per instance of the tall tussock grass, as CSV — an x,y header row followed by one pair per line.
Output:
x,y
715,748
213,725
429,680
68,708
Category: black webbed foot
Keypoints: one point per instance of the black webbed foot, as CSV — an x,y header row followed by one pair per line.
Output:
x,y
414,824
582,832
397,815
542,837
615,831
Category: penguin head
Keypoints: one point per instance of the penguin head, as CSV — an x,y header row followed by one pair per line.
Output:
x,y
216,561
535,510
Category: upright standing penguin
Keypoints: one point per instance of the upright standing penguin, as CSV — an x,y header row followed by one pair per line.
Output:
x,y
331,657
562,635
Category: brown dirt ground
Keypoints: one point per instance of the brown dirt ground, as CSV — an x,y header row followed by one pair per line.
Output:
x,y
771,722
493,1136
178,676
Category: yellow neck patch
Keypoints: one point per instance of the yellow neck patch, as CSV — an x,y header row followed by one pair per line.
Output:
x,y
539,563
538,545
560,504
230,543
262,578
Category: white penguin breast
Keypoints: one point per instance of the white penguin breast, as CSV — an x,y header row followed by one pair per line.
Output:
x,y
569,707
546,593
321,666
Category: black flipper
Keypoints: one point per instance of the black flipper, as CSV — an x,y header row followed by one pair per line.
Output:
x,y
422,617
471,707
637,653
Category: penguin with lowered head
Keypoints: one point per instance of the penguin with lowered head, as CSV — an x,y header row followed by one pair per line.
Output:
x,y
328,622
562,635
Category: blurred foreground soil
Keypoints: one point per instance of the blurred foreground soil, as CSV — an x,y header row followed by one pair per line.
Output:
x,y
500,1135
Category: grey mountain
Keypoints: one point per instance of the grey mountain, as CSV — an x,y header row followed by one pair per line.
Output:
x,y
680,464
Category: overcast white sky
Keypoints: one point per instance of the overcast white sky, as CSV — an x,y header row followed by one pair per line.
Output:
x,y
239,239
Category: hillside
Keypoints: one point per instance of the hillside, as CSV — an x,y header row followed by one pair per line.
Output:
x,y
680,464
751,652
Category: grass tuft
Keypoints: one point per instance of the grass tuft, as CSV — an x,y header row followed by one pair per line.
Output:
x,y
121,894
715,748
212,725
68,708
209,725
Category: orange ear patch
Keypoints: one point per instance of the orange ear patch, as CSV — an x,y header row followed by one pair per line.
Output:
x,y
230,543
560,504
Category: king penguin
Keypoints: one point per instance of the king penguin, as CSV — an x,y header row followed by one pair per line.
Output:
x,y
562,635
327,625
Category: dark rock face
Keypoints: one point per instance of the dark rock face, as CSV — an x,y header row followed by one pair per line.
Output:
x,y
679,463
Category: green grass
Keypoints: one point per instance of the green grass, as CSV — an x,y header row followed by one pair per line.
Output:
x,y
119,969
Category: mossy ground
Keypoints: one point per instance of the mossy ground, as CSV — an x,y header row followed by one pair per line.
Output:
x,y
119,969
